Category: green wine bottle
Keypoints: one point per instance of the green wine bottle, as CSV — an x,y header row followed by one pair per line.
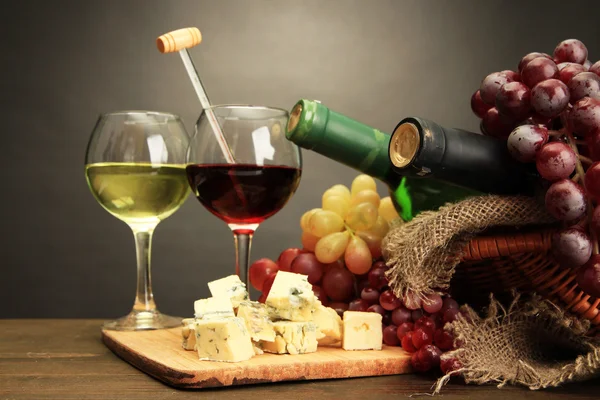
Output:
x,y
405,164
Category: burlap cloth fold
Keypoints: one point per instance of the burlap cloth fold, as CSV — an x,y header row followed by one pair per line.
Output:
x,y
531,342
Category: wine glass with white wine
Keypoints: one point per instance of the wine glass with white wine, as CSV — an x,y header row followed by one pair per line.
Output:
x,y
135,168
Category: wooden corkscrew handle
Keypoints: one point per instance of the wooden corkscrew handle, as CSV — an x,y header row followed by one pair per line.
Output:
x,y
178,40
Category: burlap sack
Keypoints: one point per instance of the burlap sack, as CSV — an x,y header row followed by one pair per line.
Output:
x,y
533,342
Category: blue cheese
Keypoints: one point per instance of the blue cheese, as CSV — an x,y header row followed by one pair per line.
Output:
x,y
362,331
256,316
292,338
329,325
291,297
213,307
187,334
232,287
225,339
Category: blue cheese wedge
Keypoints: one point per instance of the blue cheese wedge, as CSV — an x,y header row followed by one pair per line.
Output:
x,y
362,331
256,316
292,338
291,297
232,287
329,325
224,339
187,333
213,307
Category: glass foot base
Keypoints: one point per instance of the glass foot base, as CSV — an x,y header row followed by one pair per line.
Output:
x,y
142,320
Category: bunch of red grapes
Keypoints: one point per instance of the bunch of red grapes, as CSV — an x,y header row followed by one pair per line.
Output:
x,y
415,325
549,112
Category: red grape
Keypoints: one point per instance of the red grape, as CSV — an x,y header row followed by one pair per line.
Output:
x,y
321,295
425,323
390,336
376,308
571,50
262,298
432,303
584,84
307,264
569,72
370,295
421,337
451,314
550,97
537,70
525,141
592,140
339,308
380,264
267,284
443,339
411,301
438,319
389,301
587,65
477,104
448,365
514,99
525,60
387,318
407,343
448,303
430,354
338,283
565,200
490,86
403,329
377,278
358,305
596,220
588,276
497,125
571,247
595,68
361,284
286,257
592,180
416,315
417,364
260,270
555,161
585,116
401,315
515,76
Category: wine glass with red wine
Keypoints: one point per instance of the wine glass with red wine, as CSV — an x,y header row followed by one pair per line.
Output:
x,y
263,177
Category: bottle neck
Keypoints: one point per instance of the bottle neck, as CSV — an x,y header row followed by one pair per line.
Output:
x,y
314,127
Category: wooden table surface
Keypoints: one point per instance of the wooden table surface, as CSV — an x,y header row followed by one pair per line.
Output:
x,y
66,359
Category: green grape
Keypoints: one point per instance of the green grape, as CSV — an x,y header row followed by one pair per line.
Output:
x,y
373,242
362,217
358,258
306,217
366,196
380,228
331,247
324,222
309,241
337,204
387,209
363,182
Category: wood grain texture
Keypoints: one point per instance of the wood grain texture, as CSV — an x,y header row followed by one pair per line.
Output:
x,y
66,360
159,354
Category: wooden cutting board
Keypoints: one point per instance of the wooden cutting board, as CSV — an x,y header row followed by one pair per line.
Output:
x,y
159,354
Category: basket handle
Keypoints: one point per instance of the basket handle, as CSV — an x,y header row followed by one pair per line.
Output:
x,y
485,247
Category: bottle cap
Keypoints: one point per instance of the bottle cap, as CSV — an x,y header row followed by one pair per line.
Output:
x,y
404,144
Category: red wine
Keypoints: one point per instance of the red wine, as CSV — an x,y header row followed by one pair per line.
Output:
x,y
243,193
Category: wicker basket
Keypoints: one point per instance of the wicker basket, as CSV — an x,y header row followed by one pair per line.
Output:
x,y
499,263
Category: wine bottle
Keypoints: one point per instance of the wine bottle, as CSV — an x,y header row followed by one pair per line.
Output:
x,y
404,163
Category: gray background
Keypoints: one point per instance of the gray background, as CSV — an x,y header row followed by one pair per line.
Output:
x,y
63,63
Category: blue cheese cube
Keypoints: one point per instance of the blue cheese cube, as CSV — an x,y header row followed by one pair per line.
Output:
x,y
292,338
362,331
187,334
256,316
213,307
224,339
291,297
232,287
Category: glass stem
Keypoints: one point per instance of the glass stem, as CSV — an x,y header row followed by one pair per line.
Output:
x,y
243,243
144,299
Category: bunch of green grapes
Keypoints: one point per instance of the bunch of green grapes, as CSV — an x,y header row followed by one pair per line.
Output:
x,y
351,224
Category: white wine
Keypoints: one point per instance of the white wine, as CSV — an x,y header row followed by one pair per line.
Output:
x,y
138,193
